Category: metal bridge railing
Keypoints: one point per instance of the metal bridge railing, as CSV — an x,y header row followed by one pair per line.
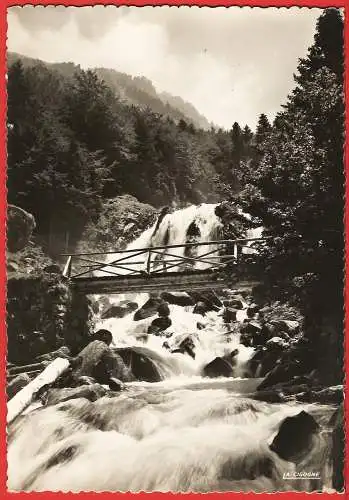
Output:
x,y
151,261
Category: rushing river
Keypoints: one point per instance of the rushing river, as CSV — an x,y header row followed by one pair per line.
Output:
x,y
185,433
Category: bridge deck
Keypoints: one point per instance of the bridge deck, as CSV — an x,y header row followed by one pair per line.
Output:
x,y
172,267
176,281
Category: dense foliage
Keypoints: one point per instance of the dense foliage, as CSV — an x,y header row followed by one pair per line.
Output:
x,y
297,191
73,144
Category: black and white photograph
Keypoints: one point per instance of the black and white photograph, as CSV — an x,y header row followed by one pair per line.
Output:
x,y
175,249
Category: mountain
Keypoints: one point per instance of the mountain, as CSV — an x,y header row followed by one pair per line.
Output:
x,y
135,90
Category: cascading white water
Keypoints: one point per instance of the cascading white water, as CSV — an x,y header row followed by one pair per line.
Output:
x,y
209,342
185,433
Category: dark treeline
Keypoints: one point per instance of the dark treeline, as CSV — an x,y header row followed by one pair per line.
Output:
x,y
72,143
297,190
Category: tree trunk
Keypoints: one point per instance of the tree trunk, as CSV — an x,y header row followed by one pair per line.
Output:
x,y
24,397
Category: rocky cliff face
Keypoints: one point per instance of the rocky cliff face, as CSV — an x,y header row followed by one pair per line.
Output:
x,y
122,220
43,315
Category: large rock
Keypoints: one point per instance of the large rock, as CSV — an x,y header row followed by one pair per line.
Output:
x,y
338,446
17,384
158,325
150,308
221,366
103,336
283,372
218,367
90,392
210,299
20,226
329,395
263,361
178,298
141,366
277,344
99,361
284,325
295,438
112,366
119,311
89,358
229,314
269,396
250,334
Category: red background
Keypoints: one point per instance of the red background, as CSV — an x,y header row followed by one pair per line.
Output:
x,y
210,3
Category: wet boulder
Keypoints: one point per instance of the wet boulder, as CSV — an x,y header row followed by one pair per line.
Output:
x,y
277,344
178,298
255,363
288,326
140,365
158,325
89,392
329,395
112,366
235,303
295,437
99,361
250,334
17,384
200,308
103,336
186,346
210,299
120,310
282,372
229,314
272,353
222,366
252,310
20,226
163,310
116,385
150,308
200,325
269,396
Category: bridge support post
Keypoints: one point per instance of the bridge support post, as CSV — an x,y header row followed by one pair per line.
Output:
x,y
148,263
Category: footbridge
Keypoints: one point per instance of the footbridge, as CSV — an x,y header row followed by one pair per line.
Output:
x,y
190,266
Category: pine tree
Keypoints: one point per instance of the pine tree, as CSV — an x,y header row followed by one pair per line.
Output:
x,y
297,191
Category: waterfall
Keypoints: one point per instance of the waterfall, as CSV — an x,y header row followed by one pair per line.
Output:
x,y
184,433
210,342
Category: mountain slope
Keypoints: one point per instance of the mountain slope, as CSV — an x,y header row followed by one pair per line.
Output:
x,y
138,91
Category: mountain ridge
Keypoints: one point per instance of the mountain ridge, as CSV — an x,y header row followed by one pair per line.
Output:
x,y
134,90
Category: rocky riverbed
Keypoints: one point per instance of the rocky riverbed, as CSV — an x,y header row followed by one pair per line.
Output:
x,y
176,391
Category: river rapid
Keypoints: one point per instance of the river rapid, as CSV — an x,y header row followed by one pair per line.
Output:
x,y
184,433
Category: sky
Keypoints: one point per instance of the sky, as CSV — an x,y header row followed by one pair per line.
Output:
x,y
231,63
